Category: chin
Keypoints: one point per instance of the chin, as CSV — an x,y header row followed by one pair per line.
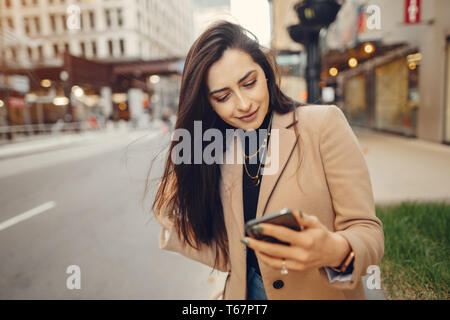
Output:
x,y
254,125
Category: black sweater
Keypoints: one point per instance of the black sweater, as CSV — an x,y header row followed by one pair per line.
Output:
x,y
251,192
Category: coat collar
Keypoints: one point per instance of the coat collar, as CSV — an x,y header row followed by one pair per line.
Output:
x,y
232,173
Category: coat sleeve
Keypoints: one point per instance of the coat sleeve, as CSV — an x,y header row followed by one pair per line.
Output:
x,y
351,194
169,240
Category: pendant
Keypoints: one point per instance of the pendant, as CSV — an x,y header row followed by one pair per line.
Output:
x,y
256,182
284,270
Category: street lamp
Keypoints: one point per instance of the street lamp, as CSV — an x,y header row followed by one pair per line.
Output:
x,y
369,48
46,83
77,91
61,101
352,62
333,71
313,15
154,79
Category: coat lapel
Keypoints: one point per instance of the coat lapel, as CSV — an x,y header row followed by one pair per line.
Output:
x,y
282,144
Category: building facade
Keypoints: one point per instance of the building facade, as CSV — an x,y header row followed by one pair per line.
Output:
x,y
35,35
405,89
37,32
401,84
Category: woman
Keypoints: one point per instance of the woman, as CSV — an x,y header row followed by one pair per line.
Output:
x,y
229,83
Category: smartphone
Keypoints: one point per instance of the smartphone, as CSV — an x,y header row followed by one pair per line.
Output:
x,y
284,217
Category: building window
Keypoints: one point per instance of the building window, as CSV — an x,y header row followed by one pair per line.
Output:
x,y
10,23
27,26
53,22
447,90
14,54
81,20
122,46
94,48
83,49
110,48
30,53
56,49
92,20
119,17
108,17
40,53
37,25
391,86
64,22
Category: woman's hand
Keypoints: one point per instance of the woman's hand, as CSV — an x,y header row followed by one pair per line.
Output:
x,y
313,247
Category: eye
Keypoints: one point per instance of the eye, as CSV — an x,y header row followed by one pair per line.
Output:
x,y
249,84
222,98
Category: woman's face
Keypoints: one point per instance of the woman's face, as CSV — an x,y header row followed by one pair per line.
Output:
x,y
237,90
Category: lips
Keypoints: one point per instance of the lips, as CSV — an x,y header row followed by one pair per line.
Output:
x,y
249,116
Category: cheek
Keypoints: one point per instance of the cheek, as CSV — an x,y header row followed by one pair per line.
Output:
x,y
224,110
261,94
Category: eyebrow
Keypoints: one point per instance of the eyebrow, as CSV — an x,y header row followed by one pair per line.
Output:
x,y
240,80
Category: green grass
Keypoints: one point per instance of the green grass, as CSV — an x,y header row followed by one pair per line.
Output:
x,y
416,262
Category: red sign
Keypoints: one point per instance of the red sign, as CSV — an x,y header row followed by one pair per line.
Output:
x,y
16,103
412,11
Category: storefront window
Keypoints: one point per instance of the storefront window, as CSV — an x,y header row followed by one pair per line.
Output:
x,y
447,100
393,110
355,104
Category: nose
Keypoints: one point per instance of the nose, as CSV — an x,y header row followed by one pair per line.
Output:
x,y
243,103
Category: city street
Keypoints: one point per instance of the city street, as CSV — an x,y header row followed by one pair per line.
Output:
x,y
91,90
88,212
96,223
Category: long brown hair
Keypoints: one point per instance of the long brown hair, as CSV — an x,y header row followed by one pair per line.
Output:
x,y
190,193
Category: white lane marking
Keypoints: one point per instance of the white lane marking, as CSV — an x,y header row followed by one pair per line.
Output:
x,y
26,215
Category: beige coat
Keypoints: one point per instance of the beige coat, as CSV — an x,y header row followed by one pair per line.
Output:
x,y
335,187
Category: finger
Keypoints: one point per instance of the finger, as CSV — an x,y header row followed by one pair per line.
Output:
x,y
272,249
302,239
276,231
306,220
277,263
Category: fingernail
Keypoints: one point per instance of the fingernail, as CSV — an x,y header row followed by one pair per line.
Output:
x,y
257,228
245,241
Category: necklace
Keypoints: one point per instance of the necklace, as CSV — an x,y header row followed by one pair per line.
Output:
x,y
263,145
255,179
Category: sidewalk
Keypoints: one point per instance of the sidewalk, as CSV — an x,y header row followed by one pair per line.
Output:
x,y
404,169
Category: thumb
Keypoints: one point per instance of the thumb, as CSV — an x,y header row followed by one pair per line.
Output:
x,y
306,220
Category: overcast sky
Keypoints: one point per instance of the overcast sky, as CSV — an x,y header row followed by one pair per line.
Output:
x,y
255,16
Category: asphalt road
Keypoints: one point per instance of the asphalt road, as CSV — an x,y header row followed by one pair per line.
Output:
x,y
88,213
